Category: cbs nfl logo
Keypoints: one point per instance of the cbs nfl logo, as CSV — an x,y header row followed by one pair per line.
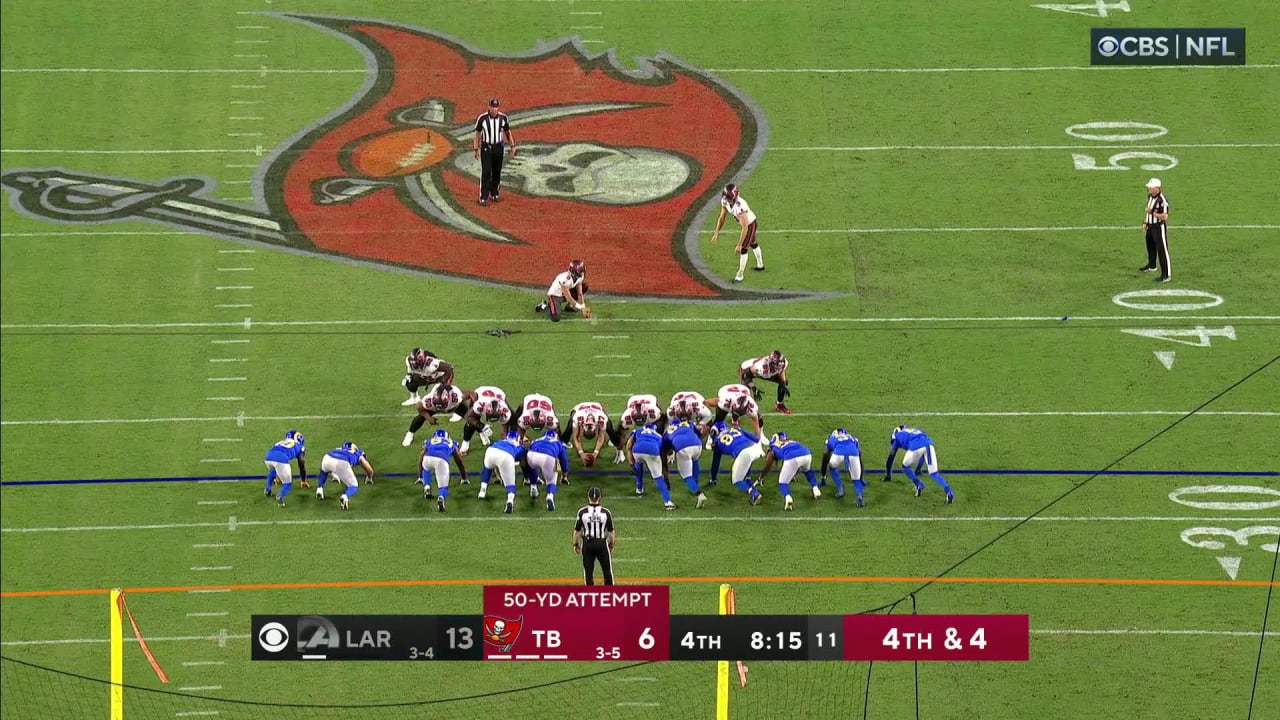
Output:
x,y
1166,46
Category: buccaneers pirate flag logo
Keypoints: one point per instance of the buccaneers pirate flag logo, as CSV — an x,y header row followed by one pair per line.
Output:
x,y
621,167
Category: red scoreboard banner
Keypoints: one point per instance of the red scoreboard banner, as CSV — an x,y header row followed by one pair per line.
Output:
x,y
556,622
937,637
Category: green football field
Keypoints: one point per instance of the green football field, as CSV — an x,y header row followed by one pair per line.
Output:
x,y
230,219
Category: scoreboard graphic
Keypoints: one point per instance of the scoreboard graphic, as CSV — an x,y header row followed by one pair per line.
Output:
x,y
633,623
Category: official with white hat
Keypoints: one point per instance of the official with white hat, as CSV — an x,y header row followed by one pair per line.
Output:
x,y
1155,227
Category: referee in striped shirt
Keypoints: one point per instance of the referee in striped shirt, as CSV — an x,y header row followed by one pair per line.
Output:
x,y
493,134
1157,233
594,538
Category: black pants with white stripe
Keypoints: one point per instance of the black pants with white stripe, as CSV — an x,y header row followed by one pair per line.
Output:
x,y
490,170
592,551
1158,247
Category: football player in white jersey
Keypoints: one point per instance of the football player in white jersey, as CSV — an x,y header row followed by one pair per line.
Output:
x,y
736,400
590,421
490,407
689,405
641,410
771,367
537,413
567,292
423,368
732,203
440,398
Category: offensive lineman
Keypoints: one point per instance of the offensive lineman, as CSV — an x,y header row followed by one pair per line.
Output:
x,y
490,406
641,410
423,368
537,413
688,405
771,367
590,421
736,400
440,398
434,459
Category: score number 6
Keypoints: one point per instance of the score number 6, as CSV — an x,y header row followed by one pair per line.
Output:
x,y
647,640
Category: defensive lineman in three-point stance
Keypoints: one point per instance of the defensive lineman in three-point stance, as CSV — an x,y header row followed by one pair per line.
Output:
x,y
918,448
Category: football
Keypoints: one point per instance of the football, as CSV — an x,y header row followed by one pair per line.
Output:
x,y
589,459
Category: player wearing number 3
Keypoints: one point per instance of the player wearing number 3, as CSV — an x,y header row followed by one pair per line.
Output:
x,y
918,448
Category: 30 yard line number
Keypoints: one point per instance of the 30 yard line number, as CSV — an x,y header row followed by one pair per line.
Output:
x,y
1206,497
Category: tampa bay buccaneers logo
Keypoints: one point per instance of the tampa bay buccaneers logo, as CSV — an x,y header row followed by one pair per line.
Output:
x,y
621,167
502,633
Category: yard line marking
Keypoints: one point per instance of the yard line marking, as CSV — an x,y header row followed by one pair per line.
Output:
x,y
228,360
612,357
228,342
220,460
196,713
656,321
244,102
226,306
655,519
197,71
217,440
227,379
237,251
248,87
586,27
769,231
610,337
235,269
223,545
201,663
102,641
232,287
248,56
217,502
591,42
252,27
250,42
242,418
1041,68
244,134
224,398
638,704
1131,631
881,148
194,688
631,560
613,375
237,182
246,117
209,590
638,679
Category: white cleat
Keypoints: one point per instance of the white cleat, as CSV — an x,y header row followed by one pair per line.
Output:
x,y
702,500
533,491
413,400
344,501
408,440
789,504
455,417
710,444
668,505
816,493
620,458
319,493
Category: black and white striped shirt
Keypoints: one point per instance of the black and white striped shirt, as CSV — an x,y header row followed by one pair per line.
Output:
x,y
595,522
492,128
1157,203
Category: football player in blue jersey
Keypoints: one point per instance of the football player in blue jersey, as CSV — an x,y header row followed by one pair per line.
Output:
x,y
339,462
644,449
548,457
685,444
503,457
434,459
279,460
796,458
744,448
843,452
918,448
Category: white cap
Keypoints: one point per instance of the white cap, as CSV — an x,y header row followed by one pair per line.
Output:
x,y
1154,182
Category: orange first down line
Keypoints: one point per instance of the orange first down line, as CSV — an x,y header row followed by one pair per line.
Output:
x,y
650,581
